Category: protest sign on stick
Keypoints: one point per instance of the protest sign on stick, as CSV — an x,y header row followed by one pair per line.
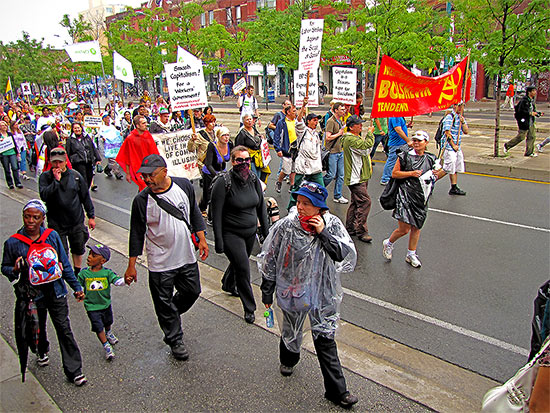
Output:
x,y
300,81
344,84
311,37
173,148
186,85
239,85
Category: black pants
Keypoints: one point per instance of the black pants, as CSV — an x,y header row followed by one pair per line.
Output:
x,y
59,313
206,182
86,170
169,306
238,249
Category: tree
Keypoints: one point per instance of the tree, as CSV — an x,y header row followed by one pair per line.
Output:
x,y
507,37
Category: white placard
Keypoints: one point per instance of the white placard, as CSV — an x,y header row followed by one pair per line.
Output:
x,y
84,52
92,121
300,89
6,144
173,148
26,88
311,38
186,85
266,154
344,84
239,85
122,69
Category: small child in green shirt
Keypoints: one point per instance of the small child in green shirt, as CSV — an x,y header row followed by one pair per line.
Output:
x,y
96,281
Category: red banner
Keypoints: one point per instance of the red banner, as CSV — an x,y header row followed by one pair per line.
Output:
x,y
400,92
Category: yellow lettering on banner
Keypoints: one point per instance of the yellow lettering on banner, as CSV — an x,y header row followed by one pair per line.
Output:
x,y
392,107
384,88
450,86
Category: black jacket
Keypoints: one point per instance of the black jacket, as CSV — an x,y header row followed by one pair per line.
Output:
x,y
524,108
65,199
82,151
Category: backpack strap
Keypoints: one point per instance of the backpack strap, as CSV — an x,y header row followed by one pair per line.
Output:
x,y
29,241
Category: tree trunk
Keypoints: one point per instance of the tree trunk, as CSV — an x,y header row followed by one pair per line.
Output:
x,y
497,115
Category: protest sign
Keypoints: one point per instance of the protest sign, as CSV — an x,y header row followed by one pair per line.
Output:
x,y
84,52
399,92
26,88
173,148
239,85
6,144
300,79
92,121
186,85
344,80
122,69
266,155
311,37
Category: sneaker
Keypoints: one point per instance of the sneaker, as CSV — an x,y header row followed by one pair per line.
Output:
x,y
109,353
383,183
413,260
249,317
179,351
533,155
43,361
111,337
119,177
456,191
341,200
539,148
278,186
80,380
21,186
387,249
505,150
285,370
94,188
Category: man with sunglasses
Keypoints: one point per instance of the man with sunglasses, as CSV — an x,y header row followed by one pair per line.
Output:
x,y
166,213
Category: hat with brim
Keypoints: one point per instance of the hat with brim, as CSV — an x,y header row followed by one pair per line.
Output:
x,y
102,250
316,193
421,136
353,120
163,111
58,154
312,116
150,163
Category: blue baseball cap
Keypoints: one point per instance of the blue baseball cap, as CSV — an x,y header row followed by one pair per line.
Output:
x,y
102,250
316,193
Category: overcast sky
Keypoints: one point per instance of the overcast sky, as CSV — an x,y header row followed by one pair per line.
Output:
x,y
40,18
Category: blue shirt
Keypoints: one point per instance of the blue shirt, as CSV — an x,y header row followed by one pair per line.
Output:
x,y
393,138
451,122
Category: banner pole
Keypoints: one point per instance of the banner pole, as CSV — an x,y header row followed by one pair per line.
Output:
x,y
375,81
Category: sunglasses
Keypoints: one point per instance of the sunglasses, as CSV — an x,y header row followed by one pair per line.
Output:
x,y
243,160
313,187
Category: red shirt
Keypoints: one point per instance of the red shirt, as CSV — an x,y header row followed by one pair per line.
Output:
x,y
510,91
134,148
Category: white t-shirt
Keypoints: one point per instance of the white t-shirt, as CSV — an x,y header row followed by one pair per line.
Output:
x,y
249,105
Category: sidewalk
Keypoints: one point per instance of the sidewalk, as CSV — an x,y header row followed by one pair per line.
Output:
x,y
386,375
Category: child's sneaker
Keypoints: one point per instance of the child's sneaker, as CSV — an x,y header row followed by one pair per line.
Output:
x,y
109,353
111,337
43,361
80,380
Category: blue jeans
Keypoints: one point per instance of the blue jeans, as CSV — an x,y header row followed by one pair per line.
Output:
x,y
9,162
390,163
377,140
23,163
335,170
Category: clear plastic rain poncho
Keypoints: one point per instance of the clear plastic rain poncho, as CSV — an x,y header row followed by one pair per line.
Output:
x,y
307,279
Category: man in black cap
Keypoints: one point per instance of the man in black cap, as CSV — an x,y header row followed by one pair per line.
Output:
x,y
166,212
525,117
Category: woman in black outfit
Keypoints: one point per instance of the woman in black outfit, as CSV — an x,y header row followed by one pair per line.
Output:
x,y
250,138
82,152
217,154
237,205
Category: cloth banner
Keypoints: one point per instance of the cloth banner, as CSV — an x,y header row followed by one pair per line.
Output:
x,y
186,85
266,155
300,79
84,52
26,89
311,38
344,84
173,148
122,69
399,92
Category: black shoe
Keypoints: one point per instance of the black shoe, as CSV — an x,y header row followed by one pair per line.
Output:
x,y
233,292
19,186
11,187
94,188
249,317
346,400
119,177
285,370
278,186
179,351
456,191
365,238
107,171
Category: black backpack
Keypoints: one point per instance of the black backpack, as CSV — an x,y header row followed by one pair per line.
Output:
x,y
439,133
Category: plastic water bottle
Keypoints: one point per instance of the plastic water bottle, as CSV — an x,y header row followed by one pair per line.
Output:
x,y
268,314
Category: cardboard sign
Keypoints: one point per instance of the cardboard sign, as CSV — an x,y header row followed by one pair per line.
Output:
x,y
311,37
173,148
344,84
186,85
92,121
26,88
239,85
266,155
6,144
300,89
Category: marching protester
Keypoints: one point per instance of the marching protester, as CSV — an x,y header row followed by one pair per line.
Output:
x,y
199,141
380,135
248,104
82,152
8,156
249,137
334,128
270,131
301,262
167,215
49,297
126,124
525,117
161,123
197,119
454,126
237,205
412,197
21,147
112,141
397,137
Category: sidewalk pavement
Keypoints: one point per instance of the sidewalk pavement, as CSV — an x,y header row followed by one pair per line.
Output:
x,y
393,369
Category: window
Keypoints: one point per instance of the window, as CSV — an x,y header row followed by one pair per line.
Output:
x,y
228,15
238,14
109,10
271,4
260,4
211,17
203,20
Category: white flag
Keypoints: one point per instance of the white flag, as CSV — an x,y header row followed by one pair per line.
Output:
x,y
84,52
185,56
122,69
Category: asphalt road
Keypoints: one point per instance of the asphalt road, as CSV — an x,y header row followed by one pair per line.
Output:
x,y
483,255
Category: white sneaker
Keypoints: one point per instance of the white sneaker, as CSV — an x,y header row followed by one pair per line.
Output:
x,y
341,200
534,155
387,249
43,361
109,353
413,260
505,150
111,337
539,148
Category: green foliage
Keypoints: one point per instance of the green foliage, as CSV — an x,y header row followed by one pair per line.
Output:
x,y
78,28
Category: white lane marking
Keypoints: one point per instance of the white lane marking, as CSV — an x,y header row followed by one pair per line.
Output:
x,y
431,320
439,323
495,221
107,204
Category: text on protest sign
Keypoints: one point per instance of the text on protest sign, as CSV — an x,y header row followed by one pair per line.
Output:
x,y
344,84
173,148
6,144
238,86
92,121
300,79
186,85
311,38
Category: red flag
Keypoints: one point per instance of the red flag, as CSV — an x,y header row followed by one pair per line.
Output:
x,y
399,92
